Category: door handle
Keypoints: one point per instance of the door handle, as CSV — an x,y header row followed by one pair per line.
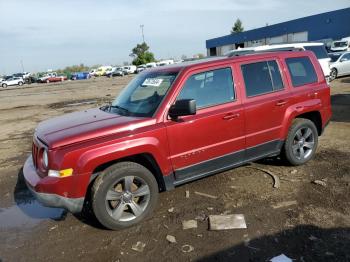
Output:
x,y
230,116
281,103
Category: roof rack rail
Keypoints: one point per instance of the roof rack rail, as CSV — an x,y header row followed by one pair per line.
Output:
x,y
249,52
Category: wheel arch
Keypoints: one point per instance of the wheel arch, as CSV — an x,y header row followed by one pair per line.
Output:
x,y
315,117
145,159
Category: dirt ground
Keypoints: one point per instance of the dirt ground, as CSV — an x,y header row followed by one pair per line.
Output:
x,y
315,226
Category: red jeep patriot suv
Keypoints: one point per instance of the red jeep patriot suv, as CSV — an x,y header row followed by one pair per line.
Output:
x,y
175,124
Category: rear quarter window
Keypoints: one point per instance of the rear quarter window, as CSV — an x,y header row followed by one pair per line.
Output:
x,y
319,50
301,71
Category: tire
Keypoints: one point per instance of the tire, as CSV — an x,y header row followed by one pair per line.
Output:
x,y
301,143
124,208
4,85
47,81
334,74
20,83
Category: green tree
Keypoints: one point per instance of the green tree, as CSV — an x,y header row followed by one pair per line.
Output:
x,y
237,27
142,55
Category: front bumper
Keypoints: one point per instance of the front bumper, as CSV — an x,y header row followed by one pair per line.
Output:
x,y
33,181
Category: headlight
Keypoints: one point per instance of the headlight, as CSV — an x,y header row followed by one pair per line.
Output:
x,y
45,159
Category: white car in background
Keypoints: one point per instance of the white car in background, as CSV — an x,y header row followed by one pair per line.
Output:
x,y
131,69
12,82
340,64
341,45
317,48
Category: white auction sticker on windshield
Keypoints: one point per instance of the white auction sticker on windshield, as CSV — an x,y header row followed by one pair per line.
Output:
x,y
152,82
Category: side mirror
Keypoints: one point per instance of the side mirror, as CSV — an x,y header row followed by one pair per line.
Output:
x,y
183,107
343,59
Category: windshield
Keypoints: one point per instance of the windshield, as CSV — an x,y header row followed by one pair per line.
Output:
x,y
334,57
340,44
142,96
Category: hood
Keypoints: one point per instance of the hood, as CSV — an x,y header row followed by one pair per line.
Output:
x,y
85,125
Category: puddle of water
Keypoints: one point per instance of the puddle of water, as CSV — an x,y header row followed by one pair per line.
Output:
x,y
28,213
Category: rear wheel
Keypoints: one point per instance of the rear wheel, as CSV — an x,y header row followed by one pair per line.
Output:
x,y
123,195
47,81
301,143
334,73
4,85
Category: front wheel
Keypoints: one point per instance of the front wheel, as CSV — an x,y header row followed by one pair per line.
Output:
x,y
20,83
123,195
4,85
333,75
301,143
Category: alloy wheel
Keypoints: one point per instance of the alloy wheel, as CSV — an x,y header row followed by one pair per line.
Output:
x,y
128,198
303,143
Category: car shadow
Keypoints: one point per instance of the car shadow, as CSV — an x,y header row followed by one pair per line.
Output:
x,y
302,243
340,107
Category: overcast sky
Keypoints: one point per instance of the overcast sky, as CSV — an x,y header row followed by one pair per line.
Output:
x,y
47,34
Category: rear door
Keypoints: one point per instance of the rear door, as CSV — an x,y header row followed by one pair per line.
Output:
x,y
213,139
265,99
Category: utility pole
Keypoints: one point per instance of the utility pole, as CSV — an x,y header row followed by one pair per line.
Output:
x,y
143,36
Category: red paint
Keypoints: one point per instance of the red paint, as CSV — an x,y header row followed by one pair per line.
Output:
x,y
85,140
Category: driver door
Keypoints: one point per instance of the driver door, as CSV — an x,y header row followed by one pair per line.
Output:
x,y
213,139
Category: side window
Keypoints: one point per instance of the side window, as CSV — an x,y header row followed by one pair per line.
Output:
x,y
261,78
345,57
301,71
209,88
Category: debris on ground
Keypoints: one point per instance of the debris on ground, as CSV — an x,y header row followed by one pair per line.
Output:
x,y
320,182
188,224
224,222
139,246
171,210
281,258
276,180
313,238
201,217
52,228
294,171
171,239
285,204
187,248
205,195
187,194
210,208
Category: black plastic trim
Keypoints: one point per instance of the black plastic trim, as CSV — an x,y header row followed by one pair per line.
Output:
x,y
222,163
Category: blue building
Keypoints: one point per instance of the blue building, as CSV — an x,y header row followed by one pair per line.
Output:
x,y
323,27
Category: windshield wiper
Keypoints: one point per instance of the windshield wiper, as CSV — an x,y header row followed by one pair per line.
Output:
x,y
118,107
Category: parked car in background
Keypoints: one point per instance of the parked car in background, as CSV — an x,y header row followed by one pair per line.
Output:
x,y
80,76
177,124
44,78
165,62
58,78
30,80
119,71
93,72
317,48
340,64
140,68
12,82
131,69
151,65
101,71
341,45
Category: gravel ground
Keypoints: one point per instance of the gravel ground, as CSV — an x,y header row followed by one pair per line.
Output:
x,y
303,220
